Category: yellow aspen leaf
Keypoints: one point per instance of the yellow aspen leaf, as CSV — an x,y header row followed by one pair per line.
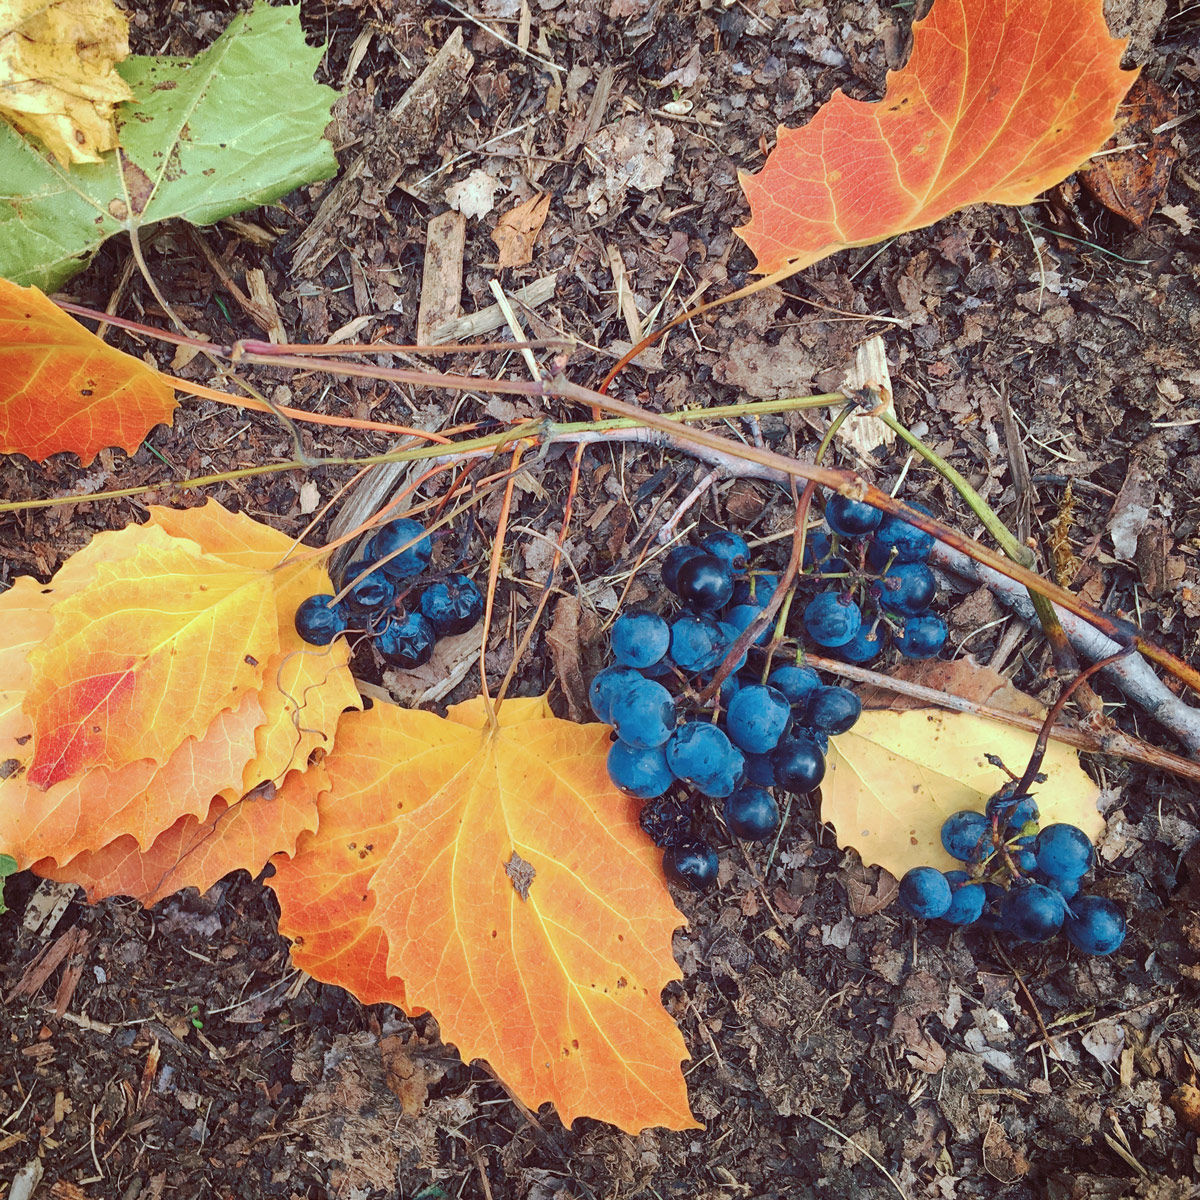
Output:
x,y
518,899
145,656
58,77
196,853
896,776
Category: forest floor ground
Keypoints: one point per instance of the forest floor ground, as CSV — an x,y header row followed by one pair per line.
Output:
x,y
831,1039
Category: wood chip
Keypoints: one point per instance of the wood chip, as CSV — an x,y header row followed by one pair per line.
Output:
x,y
441,280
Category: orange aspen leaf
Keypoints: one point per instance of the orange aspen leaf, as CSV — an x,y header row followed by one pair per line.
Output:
x,y
1000,100
62,388
143,657
196,853
305,688
518,899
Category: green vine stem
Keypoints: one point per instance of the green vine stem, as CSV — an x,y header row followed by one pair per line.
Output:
x,y
1061,649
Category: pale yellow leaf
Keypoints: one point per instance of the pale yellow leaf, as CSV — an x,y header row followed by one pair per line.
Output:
x,y
896,776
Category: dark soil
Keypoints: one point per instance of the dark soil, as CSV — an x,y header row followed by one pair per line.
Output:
x,y
831,1041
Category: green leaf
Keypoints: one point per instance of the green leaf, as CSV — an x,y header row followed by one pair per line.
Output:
x,y
237,126
8,866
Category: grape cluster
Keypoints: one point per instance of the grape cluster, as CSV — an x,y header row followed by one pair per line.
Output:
x,y
1021,880
382,604
884,585
764,734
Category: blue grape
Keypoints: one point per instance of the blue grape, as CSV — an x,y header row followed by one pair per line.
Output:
x,y
728,546
851,518
692,864
372,595
907,588
759,770
696,643
701,754
605,687
752,814
452,605
1095,925
643,713
798,763
1026,862
318,620
1032,912
966,899
409,562
866,645
640,773
967,836
757,718
704,582
740,616
1068,889
673,560
922,637
1064,851
833,709
817,547
796,683
907,542
640,639
757,588
407,642
729,635
925,892
1012,810
831,619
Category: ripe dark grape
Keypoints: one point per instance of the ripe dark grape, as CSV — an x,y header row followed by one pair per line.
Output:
x,y
833,709
751,813
1012,810
705,582
796,683
1033,912
851,518
372,595
739,618
605,687
319,621
703,756
925,892
967,836
907,588
922,637
906,542
692,864
452,605
673,560
757,588
640,773
966,899
410,561
1064,851
866,645
406,642
1068,889
1095,925
759,770
831,619
730,547
643,713
640,639
817,547
667,821
798,763
696,643
757,718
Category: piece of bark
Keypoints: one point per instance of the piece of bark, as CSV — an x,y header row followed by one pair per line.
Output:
x,y
406,132
441,279
470,325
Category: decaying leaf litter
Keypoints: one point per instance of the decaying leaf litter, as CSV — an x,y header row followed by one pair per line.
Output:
x,y
744,988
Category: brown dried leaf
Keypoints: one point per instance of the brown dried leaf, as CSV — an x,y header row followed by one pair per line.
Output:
x,y
517,230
